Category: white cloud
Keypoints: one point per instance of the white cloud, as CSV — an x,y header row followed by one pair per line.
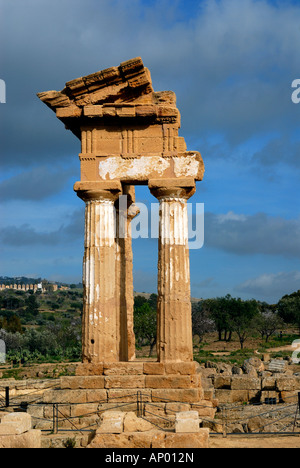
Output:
x,y
253,234
271,286
230,216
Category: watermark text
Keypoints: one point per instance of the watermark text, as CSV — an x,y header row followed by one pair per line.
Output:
x,y
296,93
2,92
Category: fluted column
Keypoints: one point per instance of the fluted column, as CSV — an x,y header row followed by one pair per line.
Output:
x,y
126,211
99,323
174,319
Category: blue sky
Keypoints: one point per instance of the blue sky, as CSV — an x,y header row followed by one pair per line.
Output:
x,y
231,64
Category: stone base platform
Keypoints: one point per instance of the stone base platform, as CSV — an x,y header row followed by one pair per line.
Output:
x,y
152,439
155,390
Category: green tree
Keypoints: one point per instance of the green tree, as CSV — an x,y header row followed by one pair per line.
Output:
x,y
267,323
32,307
289,309
242,317
202,321
14,325
3,323
11,324
220,311
145,326
139,301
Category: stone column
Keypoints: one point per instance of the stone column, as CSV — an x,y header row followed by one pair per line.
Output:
x,y
174,320
99,323
126,211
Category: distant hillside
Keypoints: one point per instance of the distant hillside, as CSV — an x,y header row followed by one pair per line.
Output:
x,y
19,280
26,280
147,296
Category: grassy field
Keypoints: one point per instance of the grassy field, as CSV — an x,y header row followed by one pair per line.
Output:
x,y
211,349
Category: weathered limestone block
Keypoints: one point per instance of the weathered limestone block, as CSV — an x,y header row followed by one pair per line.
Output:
x,y
127,440
184,441
15,424
134,424
123,368
223,368
125,381
74,396
85,369
172,408
208,393
82,382
232,396
57,441
127,395
181,368
268,383
155,412
151,439
36,412
207,384
171,381
222,381
112,422
208,373
253,362
30,439
245,383
289,397
287,383
154,368
16,432
190,395
94,396
187,421
125,407
83,410
204,409
277,366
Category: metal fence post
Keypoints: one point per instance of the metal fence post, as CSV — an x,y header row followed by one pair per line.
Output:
x,y
224,417
138,404
7,397
57,418
55,422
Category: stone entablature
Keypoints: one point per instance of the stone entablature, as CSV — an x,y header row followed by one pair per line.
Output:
x,y
128,132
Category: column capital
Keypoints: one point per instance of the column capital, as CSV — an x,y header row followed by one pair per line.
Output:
x,y
172,189
89,191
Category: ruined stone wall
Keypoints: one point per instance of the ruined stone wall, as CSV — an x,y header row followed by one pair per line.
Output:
x,y
254,382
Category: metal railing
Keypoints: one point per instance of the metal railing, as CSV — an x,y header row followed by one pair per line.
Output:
x,y
285,415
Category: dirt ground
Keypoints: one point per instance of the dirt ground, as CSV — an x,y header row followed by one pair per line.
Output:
x,y
254,442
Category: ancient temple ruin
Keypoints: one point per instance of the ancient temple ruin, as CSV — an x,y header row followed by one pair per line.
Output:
x,y
129,136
